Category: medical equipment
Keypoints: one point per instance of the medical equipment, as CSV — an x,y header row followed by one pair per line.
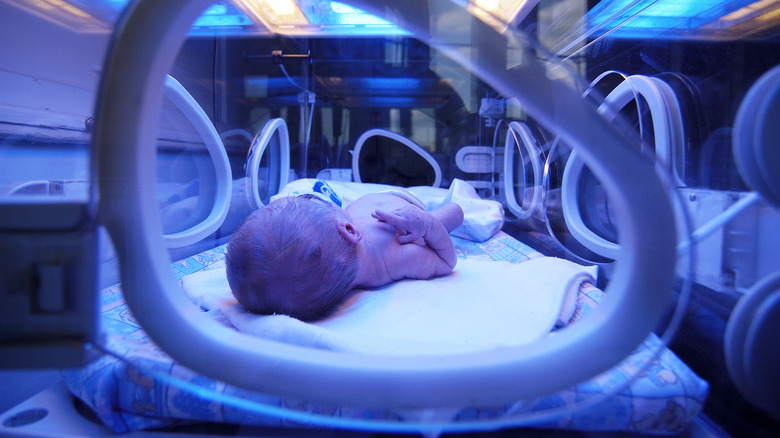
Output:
x,y
624,175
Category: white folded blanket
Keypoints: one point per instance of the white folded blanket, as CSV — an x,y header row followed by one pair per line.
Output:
x,y
481,305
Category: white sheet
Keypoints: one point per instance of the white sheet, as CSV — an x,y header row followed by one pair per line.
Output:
x,y
481,305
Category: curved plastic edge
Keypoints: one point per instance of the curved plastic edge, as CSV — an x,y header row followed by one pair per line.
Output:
x,y
749,147
179,96
668,134
256,151
572,216
529,144
468,165
762,355
637,293
751,346
399,138
236,132
768,137
664,110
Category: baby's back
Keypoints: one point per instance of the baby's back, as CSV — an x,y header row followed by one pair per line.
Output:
x,y
361,209
398,259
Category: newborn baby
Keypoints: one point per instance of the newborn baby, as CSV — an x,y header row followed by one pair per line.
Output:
x,y
301,256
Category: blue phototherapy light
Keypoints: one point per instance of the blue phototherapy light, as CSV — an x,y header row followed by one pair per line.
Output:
x,y
693,19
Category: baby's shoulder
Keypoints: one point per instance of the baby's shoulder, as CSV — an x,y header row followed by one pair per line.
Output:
x,y
382,200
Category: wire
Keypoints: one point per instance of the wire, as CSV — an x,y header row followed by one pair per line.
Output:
x,y
411,421
284,70
308,95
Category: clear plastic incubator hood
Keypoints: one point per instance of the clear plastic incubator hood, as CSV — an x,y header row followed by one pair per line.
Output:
x,y
638,291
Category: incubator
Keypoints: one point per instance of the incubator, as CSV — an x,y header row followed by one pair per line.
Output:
x,y
624,152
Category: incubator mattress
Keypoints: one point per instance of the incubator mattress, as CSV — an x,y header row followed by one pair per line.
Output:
x,y
134,390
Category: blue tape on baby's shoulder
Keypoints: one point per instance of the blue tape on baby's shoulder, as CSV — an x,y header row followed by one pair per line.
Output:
x,y
324,188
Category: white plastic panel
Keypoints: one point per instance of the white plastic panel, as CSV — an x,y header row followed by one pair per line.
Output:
x,y
475,159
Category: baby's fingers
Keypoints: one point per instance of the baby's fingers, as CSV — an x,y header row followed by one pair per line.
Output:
x,y
407,238
381,215
391,217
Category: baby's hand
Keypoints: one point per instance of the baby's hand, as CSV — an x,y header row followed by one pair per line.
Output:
x,y
411,222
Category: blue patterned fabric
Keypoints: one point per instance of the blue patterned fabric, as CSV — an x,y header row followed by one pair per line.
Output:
x,y
659,394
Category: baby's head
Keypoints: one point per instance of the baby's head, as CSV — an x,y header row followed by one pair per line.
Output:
x,y
289,258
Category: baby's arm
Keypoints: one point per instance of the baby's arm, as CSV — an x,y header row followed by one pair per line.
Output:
x,y
450,215
414,223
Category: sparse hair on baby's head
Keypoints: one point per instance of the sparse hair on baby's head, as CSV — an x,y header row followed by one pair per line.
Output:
x,y
289,258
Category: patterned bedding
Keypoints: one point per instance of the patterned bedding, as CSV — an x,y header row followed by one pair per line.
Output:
x,y
138,386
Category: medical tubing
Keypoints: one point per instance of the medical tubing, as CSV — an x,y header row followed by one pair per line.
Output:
x,y
599,78
307,135
308,127
689,262
284,70
236,132
512,417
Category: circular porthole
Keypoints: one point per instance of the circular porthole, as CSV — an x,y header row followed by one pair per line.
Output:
x,y
219,201
380,153
268,163
757,134
751,345
585,206
527,166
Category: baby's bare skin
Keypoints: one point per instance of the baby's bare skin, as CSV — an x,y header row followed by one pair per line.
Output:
x,y
397,240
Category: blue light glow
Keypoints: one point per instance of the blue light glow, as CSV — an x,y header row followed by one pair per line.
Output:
x,y
338,17
353,16
658,18
98,15
385,83
222,16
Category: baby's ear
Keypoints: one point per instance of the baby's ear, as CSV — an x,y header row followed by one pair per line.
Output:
x,y
349,232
